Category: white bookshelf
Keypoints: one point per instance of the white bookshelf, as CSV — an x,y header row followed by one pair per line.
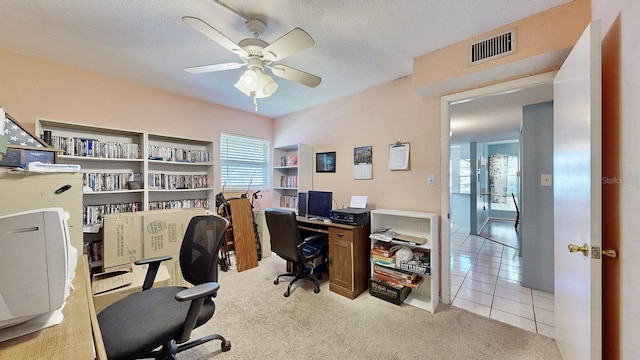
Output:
x,y
291,177
422,228
183,166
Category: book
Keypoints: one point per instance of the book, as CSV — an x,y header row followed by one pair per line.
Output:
x,y
382,260
383,248
396,274
397,283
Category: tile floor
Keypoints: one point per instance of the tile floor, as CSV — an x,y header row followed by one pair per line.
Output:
x,y
485,279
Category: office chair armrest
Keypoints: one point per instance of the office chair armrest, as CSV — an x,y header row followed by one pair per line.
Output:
x,y
152,271
199,291
197,295
312,240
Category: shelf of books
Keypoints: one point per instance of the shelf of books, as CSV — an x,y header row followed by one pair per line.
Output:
x,y
179,172
127,171
291,174
404,257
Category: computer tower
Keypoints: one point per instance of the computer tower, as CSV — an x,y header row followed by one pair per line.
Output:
x,y
302,204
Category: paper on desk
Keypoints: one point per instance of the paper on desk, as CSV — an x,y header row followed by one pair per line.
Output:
x,y
358,202
38,166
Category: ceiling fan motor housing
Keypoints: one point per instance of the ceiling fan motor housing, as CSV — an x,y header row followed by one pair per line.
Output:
x,y
253,46
256,27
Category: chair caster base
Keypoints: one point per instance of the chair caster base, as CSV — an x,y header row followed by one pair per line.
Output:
x,y
316,290
276,282
226,345
286,294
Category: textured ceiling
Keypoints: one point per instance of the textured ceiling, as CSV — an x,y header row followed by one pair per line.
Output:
x,y
358,43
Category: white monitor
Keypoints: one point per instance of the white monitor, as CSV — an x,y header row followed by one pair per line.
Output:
x,y
36,264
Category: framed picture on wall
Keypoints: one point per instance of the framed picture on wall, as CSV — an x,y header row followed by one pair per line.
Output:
x,y
326,162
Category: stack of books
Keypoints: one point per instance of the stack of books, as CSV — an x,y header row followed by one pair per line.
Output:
x,y
396,277
382,253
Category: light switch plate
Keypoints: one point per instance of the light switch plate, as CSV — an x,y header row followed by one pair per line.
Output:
x,y
545,180
431,180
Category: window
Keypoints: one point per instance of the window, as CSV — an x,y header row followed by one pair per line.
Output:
x,y
465,176
244,160
504,181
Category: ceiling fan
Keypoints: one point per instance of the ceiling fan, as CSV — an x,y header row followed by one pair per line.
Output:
x,y
257,55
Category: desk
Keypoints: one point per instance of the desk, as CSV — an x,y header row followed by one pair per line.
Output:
x,y
73,338
349,249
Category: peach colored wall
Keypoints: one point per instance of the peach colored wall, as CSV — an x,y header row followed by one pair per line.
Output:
x,y
554,29
32,88
376,117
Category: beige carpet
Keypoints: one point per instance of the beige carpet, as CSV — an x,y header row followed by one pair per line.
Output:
x,y
261,323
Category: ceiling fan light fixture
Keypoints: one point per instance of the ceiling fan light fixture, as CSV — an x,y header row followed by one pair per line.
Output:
x,y
267,84
248,82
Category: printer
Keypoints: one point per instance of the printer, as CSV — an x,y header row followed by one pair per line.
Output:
x,y
350,216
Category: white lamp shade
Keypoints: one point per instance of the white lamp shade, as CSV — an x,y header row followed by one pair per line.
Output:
x,y
257,84
248,82
267,84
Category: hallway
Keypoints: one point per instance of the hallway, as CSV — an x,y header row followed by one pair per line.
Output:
x,y
485,279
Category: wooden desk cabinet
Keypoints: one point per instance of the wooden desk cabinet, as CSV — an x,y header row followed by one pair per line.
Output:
x,y
349,248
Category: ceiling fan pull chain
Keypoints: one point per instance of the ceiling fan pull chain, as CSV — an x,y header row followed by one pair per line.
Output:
x,y
255,101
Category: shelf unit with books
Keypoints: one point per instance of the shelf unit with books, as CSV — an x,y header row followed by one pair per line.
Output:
x,y
179,172
117,166
416,265
292,166
110,161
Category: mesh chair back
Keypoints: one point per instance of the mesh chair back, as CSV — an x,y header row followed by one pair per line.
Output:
x,y
284,233
200,247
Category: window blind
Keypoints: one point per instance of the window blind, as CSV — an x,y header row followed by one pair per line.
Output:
x,y
244,160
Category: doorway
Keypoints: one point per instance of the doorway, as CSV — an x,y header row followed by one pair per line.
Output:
x,y
482,263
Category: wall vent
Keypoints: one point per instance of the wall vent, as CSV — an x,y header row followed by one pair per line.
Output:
x,y
496,46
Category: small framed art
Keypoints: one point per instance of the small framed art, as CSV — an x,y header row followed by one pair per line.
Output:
x,y
326,162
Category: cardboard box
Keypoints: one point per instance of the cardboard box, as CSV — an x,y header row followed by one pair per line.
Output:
x,y
109,287
144,234
390,292
122,240
175,272
164,230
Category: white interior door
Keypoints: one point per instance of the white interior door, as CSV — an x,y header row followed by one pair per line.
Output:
x,y
577,199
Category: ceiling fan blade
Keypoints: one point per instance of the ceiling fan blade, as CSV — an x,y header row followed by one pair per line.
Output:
x,y
299,76
212,68
289,44
213,34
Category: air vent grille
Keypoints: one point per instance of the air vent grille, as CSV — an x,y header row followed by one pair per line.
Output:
x,y
494,47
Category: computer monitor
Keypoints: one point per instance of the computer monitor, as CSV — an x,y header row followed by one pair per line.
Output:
x,y
319,204
302,204
36,265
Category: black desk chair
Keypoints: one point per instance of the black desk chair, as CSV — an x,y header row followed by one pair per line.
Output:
x,y
288,243
164,317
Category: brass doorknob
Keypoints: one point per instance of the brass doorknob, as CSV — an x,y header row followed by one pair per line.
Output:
x,y
575,248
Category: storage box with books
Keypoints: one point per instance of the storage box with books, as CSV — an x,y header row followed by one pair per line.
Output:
x,y
390,292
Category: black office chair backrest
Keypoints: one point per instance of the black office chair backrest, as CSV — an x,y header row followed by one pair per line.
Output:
x,y
284,233
200,247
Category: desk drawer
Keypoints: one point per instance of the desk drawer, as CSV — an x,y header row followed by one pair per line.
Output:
x,y
341,234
